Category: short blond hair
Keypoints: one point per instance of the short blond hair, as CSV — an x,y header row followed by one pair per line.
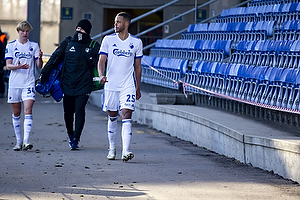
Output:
x,y
24,26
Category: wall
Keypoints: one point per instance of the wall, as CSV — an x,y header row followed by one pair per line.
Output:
x,y
14,11
98,10
54,29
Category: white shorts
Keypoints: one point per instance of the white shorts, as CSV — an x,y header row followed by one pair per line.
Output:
x,y
118,100
17,95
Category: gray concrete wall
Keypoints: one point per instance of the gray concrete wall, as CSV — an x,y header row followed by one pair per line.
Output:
x,y
67,27
12,12
280,155
54,29
97,8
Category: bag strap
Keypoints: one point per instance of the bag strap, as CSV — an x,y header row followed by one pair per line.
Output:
x,y
62,70
92,44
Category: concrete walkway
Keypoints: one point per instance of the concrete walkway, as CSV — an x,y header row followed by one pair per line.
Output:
x,y
163,168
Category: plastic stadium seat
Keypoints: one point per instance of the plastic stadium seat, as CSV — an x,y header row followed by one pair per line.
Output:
x,y
255,78
295,99
270,91
262,90
219,77
288,89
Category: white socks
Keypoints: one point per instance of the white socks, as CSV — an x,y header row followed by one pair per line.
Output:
x,y
27,128
126,134
17,128
112,133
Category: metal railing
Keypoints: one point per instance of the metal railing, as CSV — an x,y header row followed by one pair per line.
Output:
x,y
137,18
179,32
167,21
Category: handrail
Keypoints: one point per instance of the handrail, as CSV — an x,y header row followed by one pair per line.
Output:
x,y
174,34
137,18
169,20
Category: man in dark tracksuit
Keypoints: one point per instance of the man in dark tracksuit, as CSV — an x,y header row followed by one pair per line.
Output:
x,y
80,55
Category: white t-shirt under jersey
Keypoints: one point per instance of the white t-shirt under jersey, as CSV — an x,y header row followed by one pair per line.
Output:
x,y
25,53
120,60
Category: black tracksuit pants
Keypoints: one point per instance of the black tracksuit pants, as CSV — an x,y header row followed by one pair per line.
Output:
x,y
75,105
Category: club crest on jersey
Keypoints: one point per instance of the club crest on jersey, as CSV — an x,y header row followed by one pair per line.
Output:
x,y
131,46
124,53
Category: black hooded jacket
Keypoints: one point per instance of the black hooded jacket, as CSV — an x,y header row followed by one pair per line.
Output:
x,y
80,59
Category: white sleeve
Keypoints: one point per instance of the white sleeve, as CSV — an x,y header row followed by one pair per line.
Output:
x,y
8,52
139,52
104,47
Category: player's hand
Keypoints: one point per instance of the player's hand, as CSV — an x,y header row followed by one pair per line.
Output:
x,y
103,79
138,94
44,77
40,54
23,66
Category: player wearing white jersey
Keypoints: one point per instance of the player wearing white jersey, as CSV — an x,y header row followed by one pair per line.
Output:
x,y
123,53
20,56
25,54
120,58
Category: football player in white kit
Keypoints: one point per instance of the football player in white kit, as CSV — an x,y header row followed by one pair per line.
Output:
x,y
20,56
123,53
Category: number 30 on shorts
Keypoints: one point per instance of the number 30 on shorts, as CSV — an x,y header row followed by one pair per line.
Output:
x,y
29,90
130,98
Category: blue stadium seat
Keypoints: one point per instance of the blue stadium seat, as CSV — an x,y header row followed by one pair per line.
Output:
x,y
288,89
255,78
262,90
270,90
295,99
219,77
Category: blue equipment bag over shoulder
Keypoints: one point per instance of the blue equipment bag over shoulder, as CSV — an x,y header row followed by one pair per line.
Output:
x,y
51,87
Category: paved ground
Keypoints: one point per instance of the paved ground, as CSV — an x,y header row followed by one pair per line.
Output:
x,y
163,168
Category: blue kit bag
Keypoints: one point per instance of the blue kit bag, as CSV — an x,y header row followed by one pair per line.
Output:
x,y
52,86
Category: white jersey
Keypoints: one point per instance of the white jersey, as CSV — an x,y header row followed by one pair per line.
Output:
x,y
23,53
120,60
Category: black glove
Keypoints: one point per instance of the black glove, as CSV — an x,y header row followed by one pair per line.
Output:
x,y
44,77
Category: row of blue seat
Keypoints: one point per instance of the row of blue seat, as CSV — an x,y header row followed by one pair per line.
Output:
x,y
270,2
279,17
231,27
189,54
183,44
269,45
261,84
235,36
289,30
273,8
179,65
171,70
291,25
238,18
286,35
267,58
